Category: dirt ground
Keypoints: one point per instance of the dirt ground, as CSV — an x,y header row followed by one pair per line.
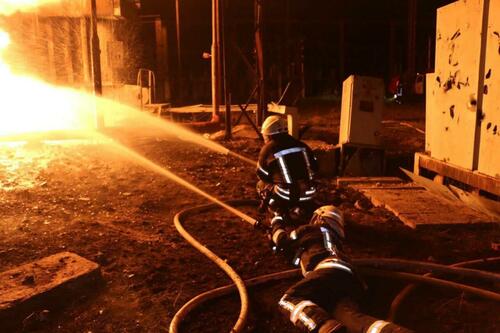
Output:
x,y
83,197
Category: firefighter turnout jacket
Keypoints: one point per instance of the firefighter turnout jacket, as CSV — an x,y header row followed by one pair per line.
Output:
x,y
290,166
328,274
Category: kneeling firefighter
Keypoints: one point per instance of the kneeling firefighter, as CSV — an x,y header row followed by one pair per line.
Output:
x,y
326,299
286,170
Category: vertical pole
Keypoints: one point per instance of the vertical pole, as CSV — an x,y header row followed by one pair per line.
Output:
x,y
68,52
96,61
288,75
225,60
302,71
429,54
215,61
412,32
85,46
51,49
260,62
341,51
164,85
178,33
393,68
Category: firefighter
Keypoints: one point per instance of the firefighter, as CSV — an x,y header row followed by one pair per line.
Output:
x,y
328,274
286,170
330,281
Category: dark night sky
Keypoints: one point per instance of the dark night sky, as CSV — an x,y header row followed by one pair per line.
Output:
x,y
316,23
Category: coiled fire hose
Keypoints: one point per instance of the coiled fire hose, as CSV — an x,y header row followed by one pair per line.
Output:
x,y
372,267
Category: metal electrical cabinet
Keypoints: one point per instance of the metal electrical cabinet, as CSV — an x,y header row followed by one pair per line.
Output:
x,y
453,88
462,95
489,142
362,107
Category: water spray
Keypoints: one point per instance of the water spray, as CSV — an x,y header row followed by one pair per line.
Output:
x,y
145,162
242,158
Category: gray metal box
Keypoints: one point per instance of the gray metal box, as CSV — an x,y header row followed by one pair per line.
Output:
x,y
362,107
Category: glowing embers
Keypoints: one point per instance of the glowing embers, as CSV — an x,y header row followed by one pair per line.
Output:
x,y
20,166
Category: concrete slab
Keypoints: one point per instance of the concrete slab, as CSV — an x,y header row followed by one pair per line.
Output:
x,y
43,284
413,203
415,206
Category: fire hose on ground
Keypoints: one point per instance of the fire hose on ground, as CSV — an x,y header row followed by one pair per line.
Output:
x,y
344,311
405,292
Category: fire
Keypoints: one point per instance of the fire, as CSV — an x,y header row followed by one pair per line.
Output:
x,y
4,40
9,7
31,105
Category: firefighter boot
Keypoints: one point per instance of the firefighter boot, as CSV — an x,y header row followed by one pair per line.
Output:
x,y
332,326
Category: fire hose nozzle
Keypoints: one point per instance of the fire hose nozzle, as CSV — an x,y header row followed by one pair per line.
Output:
x,y
259,225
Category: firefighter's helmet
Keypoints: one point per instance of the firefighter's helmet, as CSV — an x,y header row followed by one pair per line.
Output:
x,y
274,125
331,217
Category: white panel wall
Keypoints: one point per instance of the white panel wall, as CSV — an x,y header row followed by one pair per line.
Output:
x,y
489,146
451,105
430,93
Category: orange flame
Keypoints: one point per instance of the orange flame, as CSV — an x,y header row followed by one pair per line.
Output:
x,y
31,105
9,7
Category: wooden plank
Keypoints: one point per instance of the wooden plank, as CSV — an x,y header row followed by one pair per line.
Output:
x,y
474,179
43,284
482,204
203,108
432,186
343,181
418,207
